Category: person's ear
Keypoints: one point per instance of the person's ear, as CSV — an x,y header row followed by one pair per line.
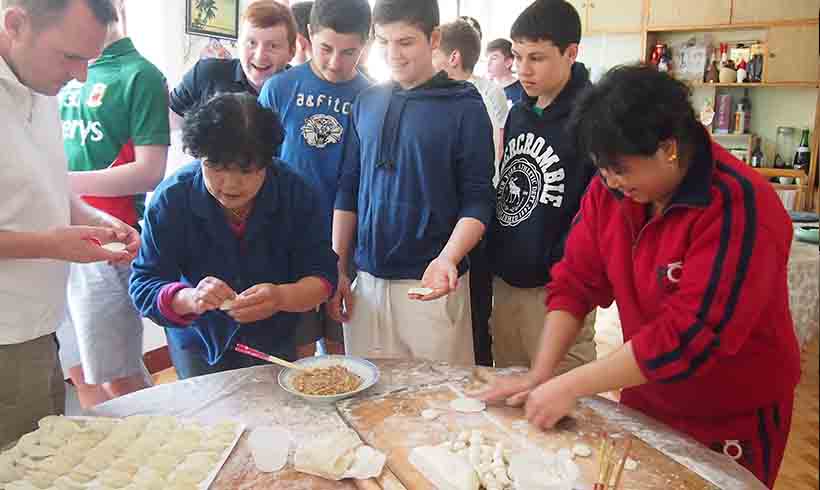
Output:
x,y
435,38
15,22
571,52
455,59
669,150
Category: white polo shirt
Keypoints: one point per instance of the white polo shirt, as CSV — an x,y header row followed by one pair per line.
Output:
x,y
34,196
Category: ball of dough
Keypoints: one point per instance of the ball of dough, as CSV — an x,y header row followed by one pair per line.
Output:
x,y
581,450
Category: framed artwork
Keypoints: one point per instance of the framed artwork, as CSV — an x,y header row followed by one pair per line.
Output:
x,y
212,18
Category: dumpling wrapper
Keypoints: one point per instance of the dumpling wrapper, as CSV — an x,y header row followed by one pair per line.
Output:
x,y
270,447
467,405
421,291
444,469
328,457
115,247
368,463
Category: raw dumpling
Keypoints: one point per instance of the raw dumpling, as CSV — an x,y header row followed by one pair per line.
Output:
x,y
444,469
329,457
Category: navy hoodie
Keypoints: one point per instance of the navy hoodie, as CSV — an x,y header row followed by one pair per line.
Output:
x,y
542,179
416,162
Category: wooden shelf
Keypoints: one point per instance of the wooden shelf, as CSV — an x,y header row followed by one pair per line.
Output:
x,y
746,26
783,172
758,85
788,187
735,136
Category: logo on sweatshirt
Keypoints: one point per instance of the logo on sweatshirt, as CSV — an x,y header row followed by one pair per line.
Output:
x,y
527,179
321,130
669,276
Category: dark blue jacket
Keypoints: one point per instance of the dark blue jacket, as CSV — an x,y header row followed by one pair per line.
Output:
x,y
416,162
186,238
542,179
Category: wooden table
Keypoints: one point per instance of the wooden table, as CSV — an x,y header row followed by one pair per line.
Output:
x,y
254,397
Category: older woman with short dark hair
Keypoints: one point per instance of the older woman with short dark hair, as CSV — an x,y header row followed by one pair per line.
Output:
x,y
693,246
233,244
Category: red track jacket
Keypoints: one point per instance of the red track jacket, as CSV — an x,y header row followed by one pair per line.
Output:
x,y
701,291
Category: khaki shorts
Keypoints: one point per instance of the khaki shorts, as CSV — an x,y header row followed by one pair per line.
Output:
x,y
387,324
31,386
517,323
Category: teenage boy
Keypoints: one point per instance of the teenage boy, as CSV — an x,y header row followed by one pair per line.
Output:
x,y
458,54
417,190
542,180
116,137
499,68
314,101
301,14
267,41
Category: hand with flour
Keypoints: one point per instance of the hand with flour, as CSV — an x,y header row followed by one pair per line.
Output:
x,y
208,295
257,303
441,277
509,390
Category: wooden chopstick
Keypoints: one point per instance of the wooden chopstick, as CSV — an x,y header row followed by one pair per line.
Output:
x,y
620,471
250,351
603,462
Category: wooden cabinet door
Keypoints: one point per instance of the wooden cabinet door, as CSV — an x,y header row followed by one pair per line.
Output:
x,y
615,15
773,11
793,54
581,7
665,13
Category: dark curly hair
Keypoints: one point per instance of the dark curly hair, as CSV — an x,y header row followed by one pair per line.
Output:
x,y
631,111
232,130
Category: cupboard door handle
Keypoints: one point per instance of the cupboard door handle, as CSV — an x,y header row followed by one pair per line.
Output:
x,y
772,55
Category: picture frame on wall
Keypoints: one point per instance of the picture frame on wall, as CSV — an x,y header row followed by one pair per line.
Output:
x,y
212,18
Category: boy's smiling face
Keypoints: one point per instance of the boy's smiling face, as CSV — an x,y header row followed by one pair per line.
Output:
x,y
407,52
335,55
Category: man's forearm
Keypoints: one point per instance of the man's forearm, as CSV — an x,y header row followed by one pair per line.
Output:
x,y
83,214
344,230
23,245
465,237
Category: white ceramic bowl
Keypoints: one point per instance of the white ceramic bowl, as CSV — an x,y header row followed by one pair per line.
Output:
x,y
361,367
